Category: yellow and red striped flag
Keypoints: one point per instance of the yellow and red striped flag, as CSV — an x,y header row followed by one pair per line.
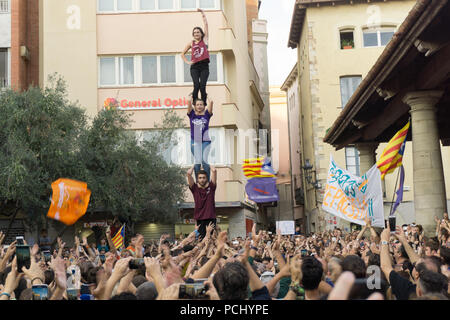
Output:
x,y
392,155
255,168
119,238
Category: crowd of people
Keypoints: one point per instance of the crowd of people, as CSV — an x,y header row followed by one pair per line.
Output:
x,y
367,264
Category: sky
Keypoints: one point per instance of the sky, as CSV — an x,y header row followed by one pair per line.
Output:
x,y
282,59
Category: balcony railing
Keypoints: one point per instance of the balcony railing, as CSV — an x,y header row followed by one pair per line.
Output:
x,y
4,6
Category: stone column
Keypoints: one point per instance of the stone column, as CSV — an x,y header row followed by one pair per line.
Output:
x,y
429,184
367,156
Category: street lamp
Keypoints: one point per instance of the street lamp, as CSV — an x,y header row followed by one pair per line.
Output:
x,y
308,169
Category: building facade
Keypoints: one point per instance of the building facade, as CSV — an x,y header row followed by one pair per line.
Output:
x,y
337,43
282,158
131,50
408,82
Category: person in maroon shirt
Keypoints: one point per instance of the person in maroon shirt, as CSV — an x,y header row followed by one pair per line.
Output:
x,y
204,192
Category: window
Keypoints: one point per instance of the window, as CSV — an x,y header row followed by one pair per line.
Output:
x,y
352,160
4,6
149,69
165,4
348,86
180,153
168,74
105,5
127,70
4,68
347,41
213,77
188,4
147,4
207,4
377,37
124,5
152,70
107,71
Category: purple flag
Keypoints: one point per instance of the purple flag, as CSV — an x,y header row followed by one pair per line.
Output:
x,y
262,190
400,190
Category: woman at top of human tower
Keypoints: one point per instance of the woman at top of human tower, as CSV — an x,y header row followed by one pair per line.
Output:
x,y
199,59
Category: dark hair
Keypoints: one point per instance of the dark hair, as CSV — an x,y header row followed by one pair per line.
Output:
x,y
201,31
437,261
138,280
434,245
124,296
355,265
197,100
312,272
403,253
188,248
433,282
177,252
49,276
445,254
403,274
267,259
231,282
374,259
202,172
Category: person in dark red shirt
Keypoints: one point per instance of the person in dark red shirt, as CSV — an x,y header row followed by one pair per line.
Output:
x,y
204,192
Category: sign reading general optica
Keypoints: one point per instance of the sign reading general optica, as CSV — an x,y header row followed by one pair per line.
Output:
x,y
125,104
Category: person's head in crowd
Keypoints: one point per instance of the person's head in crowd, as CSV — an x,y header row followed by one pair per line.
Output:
x,y
312,273
446,216
431,247
400,254
373,259
202,178
231,282
431,283
138,280
266,277
444,253
146,291
354,264
103,242
268,263
124,296
334,269
44,233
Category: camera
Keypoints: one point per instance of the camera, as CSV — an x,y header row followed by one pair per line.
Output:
x,y
196,290
136,263
47,256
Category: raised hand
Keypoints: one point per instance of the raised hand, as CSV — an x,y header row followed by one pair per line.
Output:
x,y
170,293
59,268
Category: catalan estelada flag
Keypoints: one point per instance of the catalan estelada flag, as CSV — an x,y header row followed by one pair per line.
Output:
x,y
257,168
261,185
392,155
119,239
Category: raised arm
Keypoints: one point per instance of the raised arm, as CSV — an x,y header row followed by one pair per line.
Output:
x,y
210,106
385,258
205,22
190,180
190,102
213,175
185,50
413,256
